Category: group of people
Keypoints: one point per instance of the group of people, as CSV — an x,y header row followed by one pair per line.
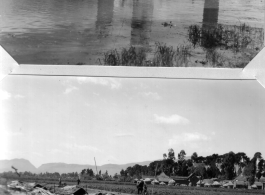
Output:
x,y
141,187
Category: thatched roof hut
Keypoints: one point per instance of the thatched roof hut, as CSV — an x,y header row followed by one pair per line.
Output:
x,y
163,178
216,184
155,182
228,184
254,186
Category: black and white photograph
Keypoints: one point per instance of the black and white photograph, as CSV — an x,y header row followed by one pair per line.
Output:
x,y
111,133
159,33
126,97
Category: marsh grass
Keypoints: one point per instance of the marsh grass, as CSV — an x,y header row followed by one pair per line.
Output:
x,y
167,56
133,56
214,58
235,38
164,56
127,57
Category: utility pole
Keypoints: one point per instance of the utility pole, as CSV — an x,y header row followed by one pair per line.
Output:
x,y
96,165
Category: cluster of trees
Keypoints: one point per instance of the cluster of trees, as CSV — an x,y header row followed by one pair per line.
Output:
x,y
213,166
88,172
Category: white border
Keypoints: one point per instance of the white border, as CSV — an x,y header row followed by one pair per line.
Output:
x,y
255,70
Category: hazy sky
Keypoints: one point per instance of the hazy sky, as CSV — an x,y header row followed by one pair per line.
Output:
x,y
74,119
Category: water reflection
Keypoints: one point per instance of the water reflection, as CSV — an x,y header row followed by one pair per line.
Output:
x,y
31,30
104,17
210,13
141,22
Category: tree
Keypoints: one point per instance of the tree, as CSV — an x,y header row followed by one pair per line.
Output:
x,y
167,166
200,159
194,157
116,176
251,169
200,170
89,172
181,155
164,155
228,165
171,154
257,155
122,172
241,159
185,167
260,169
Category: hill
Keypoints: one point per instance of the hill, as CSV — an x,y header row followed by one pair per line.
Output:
x,y
24,165
21,164
67,168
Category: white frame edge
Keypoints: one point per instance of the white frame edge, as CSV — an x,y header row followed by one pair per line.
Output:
x,y
253,71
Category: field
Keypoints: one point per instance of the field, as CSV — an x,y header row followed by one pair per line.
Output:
x,y
129,188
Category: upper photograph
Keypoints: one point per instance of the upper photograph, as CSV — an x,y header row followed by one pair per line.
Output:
x,y
147,33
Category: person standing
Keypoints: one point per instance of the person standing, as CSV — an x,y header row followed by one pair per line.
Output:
x,y
78,180
140,187
60,181
145,189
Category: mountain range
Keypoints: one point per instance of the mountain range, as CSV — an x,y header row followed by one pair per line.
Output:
x,y
25,165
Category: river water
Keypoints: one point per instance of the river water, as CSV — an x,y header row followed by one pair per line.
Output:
x,y
80,31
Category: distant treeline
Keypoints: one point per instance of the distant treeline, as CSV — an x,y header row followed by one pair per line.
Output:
x,y
226,166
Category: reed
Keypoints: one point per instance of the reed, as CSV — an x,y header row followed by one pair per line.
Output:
x,y
167,56
127,57
235,39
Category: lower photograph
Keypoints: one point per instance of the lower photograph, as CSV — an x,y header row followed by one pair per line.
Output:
x,y
66,135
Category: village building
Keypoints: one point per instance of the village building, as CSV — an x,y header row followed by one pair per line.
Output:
x,y
163,178
189,180
241,182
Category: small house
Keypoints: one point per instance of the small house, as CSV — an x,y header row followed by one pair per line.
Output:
x,y
228,185
259,185
240,184
192,179
181,180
